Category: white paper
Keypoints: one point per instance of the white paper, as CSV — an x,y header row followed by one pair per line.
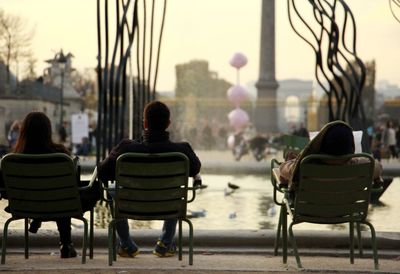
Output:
x,y
79,127
357,139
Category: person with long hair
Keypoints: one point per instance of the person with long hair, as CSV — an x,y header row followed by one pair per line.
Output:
x,y
36,138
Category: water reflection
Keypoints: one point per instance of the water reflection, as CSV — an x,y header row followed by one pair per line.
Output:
x,y
248,207
267,211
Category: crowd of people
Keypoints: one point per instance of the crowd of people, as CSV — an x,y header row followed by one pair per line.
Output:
x,y
385,140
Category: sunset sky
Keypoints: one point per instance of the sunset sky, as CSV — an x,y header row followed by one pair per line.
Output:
x,y
210,30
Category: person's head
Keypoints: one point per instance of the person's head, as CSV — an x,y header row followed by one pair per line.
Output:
x,y
35,132
338,140
156,116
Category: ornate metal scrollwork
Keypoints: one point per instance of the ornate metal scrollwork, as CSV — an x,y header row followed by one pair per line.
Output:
x,y
339,71
395,9
121,98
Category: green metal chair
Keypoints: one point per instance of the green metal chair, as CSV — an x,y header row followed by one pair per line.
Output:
x,y
151,187
332,193
291,143
43,186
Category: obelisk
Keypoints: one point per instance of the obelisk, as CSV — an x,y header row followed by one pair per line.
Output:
x,y
266,105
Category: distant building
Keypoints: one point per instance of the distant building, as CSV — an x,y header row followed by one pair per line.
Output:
x,y
293,97
44,94
200,94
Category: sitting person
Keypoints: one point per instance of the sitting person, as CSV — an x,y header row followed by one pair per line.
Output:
x,y
36,138
335,138
155,140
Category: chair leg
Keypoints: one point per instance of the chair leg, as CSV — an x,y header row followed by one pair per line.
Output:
x,y
91,236
351,230
26,238
114,235
180,239
190,241
4,242
284,233
373,244
359,237
278,233
85,240
294,245
111,242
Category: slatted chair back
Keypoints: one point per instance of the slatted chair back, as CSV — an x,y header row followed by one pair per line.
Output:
x,y
41,186
151,186
331,191
295,142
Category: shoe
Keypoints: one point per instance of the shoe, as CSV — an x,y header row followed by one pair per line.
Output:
x,y
162,250
67,251
127,252
34,226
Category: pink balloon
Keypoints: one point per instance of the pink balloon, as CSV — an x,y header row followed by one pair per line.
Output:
x,y
238,119
237,94
238,60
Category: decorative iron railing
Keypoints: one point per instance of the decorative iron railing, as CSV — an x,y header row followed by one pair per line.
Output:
x,y
136,39
329,28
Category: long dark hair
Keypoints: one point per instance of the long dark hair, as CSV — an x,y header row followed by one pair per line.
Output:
x,y
35,136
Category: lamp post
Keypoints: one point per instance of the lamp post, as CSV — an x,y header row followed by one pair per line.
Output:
x,y
61,61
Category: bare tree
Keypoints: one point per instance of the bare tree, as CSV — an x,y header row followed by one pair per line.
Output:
x,y
15,41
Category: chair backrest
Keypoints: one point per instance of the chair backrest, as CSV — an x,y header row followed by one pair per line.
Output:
x,y
333,191
41,185
151,186
295,142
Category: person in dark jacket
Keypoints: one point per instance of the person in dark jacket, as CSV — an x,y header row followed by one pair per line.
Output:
x,y
155,139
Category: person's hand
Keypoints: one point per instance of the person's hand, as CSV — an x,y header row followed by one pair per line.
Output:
x,y
197,182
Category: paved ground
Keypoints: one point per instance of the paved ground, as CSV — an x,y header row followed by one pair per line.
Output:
x,y
43,262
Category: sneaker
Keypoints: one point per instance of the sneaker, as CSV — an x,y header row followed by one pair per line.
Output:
x,y
67,251
127,252
162,250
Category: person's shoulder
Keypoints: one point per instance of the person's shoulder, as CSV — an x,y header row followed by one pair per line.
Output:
x,y
182,144
128,142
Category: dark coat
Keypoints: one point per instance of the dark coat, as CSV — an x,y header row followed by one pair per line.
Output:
x,y
153,142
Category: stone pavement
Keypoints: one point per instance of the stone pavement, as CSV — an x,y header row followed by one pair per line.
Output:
x,y
216,251
207,262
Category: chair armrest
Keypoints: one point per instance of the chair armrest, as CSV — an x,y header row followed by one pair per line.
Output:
x,y
288,203
91,182
197,183
106,189
275,180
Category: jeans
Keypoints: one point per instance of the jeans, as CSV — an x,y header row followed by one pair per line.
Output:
x,y
167,233
125,240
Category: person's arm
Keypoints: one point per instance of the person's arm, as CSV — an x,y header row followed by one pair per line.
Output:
x,y
194,162
106,168
286,171
377,167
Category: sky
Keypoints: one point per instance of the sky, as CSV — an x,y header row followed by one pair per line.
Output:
x,y
211,30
